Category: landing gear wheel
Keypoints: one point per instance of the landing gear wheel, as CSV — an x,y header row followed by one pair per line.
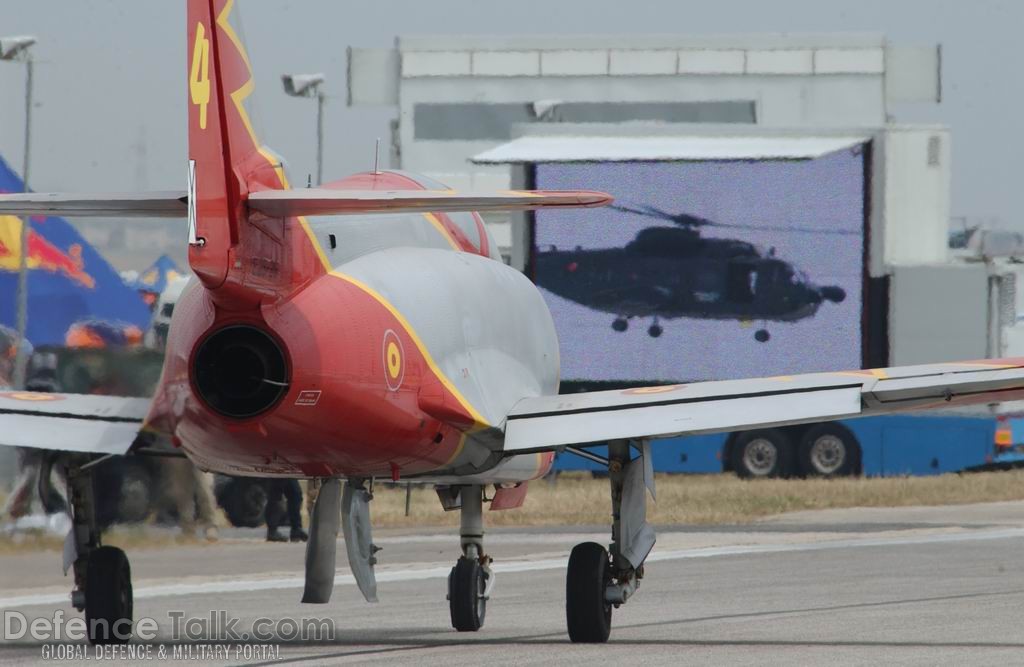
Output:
x,y
620,324
587,614
108,597
466,585
762,336
655,330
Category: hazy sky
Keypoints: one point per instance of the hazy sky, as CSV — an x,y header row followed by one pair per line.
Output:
x,y
110,81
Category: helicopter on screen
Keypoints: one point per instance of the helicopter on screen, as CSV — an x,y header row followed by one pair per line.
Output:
x,y
671,272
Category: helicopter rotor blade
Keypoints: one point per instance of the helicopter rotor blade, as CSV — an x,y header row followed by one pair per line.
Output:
x,y
681,219
626,209
643,211
659,213
688,220
803,230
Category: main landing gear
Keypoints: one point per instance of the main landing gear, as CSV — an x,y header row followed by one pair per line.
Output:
x,y
103,578
598,580
471,580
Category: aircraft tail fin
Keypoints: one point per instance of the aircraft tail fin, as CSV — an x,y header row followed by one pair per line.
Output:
x,y
226,159
233,179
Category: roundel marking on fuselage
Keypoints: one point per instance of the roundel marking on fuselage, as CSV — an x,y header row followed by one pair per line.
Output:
x,y
394,360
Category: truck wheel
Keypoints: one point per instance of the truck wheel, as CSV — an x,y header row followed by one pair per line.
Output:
x,y
762,453
136,497
244,501
829,450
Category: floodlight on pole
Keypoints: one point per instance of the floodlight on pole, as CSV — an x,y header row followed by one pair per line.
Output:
x,y
16,48
308,85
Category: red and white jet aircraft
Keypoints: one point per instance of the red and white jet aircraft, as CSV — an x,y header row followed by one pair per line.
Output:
x,y
385,338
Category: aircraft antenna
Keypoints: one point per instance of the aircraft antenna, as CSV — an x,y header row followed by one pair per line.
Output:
x,y
376,157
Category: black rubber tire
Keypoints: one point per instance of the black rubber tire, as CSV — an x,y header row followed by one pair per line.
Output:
x,y
587,615
762,336
136,497
620,325
655,330
850,461
244,501
108,597
784,458
466,585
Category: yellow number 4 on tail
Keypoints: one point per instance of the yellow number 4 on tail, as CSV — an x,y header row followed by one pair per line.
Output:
x,y
199,76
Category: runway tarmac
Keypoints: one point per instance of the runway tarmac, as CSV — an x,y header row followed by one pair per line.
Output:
x,y
911,586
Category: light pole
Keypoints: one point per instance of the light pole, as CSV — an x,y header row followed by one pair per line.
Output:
x,y
308,85
17,49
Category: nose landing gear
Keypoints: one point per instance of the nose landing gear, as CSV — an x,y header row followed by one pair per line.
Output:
x,y
471,580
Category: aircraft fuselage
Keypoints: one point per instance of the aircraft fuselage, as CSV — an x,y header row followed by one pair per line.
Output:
x,y
400,357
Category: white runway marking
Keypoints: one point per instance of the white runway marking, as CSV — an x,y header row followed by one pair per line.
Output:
x,y
214,586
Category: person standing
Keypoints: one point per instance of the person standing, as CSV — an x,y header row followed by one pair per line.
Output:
x,y
290,490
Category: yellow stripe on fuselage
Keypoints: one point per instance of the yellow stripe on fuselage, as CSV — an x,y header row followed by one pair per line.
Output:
x,y
479,420
439,226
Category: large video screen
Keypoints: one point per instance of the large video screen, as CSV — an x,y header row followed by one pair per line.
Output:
x,y
705,270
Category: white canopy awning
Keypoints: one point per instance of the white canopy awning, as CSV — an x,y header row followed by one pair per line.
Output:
x,y
664,148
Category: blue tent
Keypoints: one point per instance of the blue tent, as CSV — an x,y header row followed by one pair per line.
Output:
x,y
67,280
155,278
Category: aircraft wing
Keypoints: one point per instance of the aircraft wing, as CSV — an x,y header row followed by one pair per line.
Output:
x,y
545,423
70,422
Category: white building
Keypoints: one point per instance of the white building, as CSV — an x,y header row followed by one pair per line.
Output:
x,y
459,96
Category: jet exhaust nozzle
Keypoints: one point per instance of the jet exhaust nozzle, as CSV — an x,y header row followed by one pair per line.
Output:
x,y
240,371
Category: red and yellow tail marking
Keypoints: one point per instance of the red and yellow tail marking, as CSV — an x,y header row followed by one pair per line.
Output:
x,y
238,98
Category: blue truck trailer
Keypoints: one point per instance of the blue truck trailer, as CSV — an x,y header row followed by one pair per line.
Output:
x,y
912,444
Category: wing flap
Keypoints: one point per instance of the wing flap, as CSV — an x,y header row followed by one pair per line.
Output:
x,y
70,422
107,205
548,422
321,201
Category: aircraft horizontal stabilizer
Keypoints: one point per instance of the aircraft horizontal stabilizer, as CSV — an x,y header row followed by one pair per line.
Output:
x,y
320,201
108,205
290,203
